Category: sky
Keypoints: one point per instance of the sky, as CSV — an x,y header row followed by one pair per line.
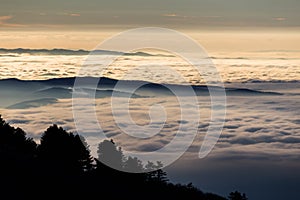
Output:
x,y
170,13
215,24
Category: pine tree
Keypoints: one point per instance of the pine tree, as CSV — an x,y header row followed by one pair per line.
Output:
x,y
110,155
64,151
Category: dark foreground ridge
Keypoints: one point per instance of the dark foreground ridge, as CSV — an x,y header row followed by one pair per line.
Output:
x,y
61,167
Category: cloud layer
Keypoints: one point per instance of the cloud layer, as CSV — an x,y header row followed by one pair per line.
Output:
x,y
257,153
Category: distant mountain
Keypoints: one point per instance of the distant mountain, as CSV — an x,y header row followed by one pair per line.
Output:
x,y
33,103
74,52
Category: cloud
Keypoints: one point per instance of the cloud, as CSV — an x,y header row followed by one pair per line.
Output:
x,y
150,147
253,129
4,23
279,18
3,20
170,15
176,17
74,15
69,14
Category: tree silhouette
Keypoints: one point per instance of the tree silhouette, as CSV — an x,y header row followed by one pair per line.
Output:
x,y
17,160
14,139
110,155
64,151
133,164
160,175
237,196
155,173
62,165
15,147
86,159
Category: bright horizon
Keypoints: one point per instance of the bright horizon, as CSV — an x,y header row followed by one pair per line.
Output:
x,y
234,26
231,40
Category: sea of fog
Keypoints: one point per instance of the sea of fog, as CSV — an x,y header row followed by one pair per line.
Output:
x,y
258,151
28,64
